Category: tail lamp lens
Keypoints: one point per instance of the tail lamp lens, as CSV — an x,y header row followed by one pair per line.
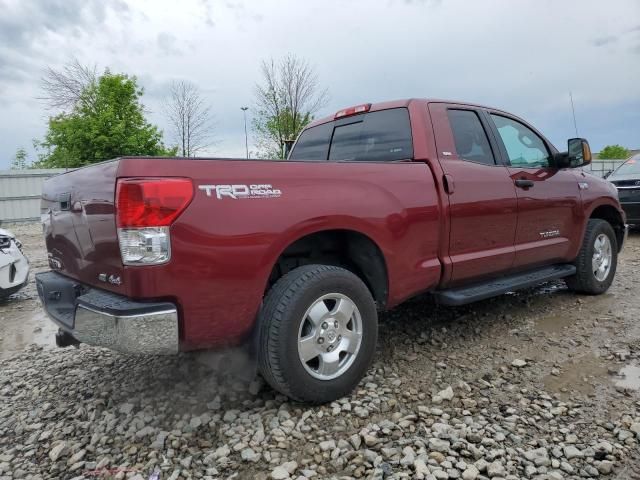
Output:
x,y
151,202
145,209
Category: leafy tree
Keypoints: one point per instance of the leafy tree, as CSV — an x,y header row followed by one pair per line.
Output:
x,y
286,100
20,160
613,152
273,131
106,121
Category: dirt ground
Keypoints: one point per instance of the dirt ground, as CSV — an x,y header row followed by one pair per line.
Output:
x,y
565,368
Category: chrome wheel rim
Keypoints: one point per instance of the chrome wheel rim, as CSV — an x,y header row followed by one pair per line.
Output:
x,y
602,256
329,336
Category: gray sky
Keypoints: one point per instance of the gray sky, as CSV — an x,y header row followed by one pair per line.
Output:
x,y
522,56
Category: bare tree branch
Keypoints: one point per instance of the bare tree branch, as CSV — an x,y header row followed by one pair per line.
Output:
x,y
286,100
190,118
61,89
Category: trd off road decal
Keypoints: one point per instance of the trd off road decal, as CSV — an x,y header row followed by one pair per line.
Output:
x,y
238,192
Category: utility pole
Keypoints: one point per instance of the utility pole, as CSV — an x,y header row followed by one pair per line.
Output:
x,y
246,139
575,125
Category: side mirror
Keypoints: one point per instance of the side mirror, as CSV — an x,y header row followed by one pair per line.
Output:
x,y
579,153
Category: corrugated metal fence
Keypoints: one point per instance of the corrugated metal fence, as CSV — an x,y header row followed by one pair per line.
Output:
x,y
20,192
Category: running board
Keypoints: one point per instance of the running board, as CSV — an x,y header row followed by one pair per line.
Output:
x,y
498,286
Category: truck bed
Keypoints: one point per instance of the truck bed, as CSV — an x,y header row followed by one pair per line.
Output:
x,y
242,217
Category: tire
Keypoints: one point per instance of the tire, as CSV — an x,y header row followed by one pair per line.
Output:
x,y
287,316
587,280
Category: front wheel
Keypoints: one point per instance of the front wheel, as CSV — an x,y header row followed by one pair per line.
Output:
x,y
597,261
318,333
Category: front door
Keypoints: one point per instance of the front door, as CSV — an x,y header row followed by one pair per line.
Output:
x,y
481,194
549,206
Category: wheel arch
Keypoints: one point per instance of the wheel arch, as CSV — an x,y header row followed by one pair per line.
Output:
x,y
612,215
343,247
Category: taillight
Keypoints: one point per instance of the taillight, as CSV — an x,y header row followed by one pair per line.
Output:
x,y
145,209
347,112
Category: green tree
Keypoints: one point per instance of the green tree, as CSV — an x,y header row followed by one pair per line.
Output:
x,y
20,160
286,100
613,152
107,121
273,130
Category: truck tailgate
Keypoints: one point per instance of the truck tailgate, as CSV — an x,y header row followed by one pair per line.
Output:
x,y
78,217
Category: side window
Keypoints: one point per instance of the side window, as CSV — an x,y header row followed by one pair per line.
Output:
x,y
524,148
470,138
313,144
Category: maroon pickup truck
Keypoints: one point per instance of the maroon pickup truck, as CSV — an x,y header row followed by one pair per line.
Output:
x,y
375,204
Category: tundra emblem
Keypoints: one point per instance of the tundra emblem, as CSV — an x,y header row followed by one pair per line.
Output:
x,y
550,233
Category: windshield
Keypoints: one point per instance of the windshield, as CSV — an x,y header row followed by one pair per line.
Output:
x,y
629,167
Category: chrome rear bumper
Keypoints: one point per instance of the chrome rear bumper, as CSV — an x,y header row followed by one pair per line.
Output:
x,y
104,319
151,333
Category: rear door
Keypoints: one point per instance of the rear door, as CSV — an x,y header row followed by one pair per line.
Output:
x,y
481,194
549,205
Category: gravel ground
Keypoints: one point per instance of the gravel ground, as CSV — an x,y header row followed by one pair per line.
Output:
x,y
541,384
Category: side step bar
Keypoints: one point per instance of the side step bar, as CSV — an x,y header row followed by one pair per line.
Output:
x,y
498,286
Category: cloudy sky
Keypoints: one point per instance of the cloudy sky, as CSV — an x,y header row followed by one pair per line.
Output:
x,y
522,56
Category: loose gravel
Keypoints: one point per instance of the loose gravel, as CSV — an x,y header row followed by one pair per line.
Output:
x,y
540,384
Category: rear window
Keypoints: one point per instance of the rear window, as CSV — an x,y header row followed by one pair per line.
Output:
x,y
375,137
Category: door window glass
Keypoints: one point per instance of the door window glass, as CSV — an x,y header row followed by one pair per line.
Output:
x,y
470,138
524,148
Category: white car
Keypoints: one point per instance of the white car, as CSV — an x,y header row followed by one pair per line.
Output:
x,y
14,266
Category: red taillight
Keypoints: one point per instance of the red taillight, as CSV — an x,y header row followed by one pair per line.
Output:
x,y
151,202
353,110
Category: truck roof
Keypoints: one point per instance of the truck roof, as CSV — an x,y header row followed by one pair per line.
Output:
x,y
401,103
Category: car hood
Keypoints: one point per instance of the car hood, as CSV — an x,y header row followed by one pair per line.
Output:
x,y
6,233
627,176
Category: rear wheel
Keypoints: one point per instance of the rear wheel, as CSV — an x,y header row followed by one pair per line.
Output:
x,y
597,261
318,333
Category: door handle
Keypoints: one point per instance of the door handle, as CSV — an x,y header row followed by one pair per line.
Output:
x,y
449,185
521,183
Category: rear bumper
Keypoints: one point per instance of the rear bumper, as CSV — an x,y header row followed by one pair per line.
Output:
x,y
104,319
